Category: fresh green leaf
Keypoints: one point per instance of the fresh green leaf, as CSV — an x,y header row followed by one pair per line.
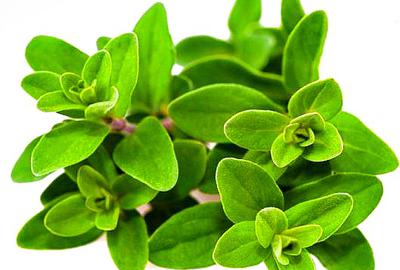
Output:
x,y
70,217
60,186
264,160
148,155
102,162
107,220
56,101
202,113
306,235
128,243
101,109
245,13
46,53
255,129
156,58
187,239
330,212
90,182
363,151
303,51
291,13
249,182
365,190
101,42
239,247
66,145
311,120
269,222
42,82
283,153
301,262
124,61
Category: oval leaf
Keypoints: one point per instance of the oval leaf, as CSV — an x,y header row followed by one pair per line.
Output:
x,y
283,153
60,186
42,82
269,222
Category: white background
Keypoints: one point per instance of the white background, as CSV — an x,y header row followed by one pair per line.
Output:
x,y
362,53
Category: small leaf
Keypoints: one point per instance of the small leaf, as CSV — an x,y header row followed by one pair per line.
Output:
x,y
194,48
107,220
269,222
42,82
90,182
187,239
303,51
264,160
101,109
148,155
330,212
283,153
60,186
202,113
69,82
291,13
101,42
56,101
124,61
46,53
128,243
70,217
310,120
349,251
255,129
363,152
245,13
238,247
66,145
365,190
249,182
306,235
301,262
328,145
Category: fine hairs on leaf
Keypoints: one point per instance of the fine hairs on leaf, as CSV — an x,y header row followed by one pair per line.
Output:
x,y
243,157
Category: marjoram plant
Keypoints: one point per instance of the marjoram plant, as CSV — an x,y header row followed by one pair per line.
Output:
x,y
247,118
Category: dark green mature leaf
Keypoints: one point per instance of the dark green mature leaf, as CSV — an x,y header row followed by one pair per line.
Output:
x,y
22,170
349,251
202,113
255,129
101,42
60,186
125,67
179,85
157,56
195,48
42,82
218,153
56,101
46,53
34,235
128,243
330,212
365,190
264,160
303,51
324,97
283,153
249,182
148,155
363,151
238,247
66,145
187,239
291,13
230,70
245,14
70,217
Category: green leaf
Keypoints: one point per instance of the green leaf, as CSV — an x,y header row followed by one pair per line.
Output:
x,y
291,13
303,51
70,217
22,170
330,212
128,243
255,129
249,182
192,159
238,247
157,56
90,182
328,145
269,222
187,239
42,82
202,113
131,192
124,61
244,14
306,235
365,190
107,220
311,120
66,145
264,160
102,162
34,235
56,101
60,186
194,48
230,70
148,155
69,82
98,68
179,85
101,42
363,151
283,153
324,97
99,110
215,155
301,262
349,251
46,53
